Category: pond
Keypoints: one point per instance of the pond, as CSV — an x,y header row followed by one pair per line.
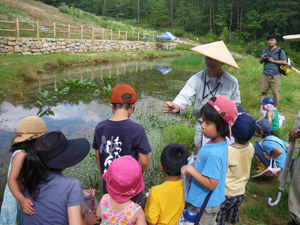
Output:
x,y
78,112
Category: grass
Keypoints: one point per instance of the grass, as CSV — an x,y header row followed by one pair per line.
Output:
x,y
255,209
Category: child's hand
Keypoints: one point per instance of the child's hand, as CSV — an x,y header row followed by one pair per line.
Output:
x,y
88,194
185,169
267,156
90,218
26,206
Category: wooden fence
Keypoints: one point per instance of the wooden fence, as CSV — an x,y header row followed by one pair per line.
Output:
x,y
79,32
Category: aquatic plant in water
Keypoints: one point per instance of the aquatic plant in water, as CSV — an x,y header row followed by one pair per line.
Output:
x,y
73,82
63,91
44,98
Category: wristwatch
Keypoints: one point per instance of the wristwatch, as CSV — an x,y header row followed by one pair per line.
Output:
x,y
297,131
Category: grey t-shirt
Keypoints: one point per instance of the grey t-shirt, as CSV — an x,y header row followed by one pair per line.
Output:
x,y
53,200
271,69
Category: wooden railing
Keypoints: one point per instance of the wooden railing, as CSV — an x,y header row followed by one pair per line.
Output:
x,y
75,32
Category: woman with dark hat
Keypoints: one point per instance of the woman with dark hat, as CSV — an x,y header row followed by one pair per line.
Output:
x,y
56,199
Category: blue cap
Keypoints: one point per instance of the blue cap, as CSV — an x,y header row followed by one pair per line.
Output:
x,y
267,100
244,127
264,124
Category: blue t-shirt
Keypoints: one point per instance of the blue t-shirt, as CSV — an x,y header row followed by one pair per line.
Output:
x,y
212,162
53,200
272,141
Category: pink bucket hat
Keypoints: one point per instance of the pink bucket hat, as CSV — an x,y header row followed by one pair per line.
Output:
x,y
226,109
124,178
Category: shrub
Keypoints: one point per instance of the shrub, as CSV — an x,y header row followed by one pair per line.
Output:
x,y
179,134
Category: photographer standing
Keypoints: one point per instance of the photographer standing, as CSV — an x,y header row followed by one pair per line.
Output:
x,y
273,57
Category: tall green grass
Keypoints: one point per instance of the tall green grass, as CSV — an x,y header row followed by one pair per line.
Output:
x,y
190,61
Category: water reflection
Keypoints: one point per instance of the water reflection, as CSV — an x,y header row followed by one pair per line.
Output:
x,y
78,112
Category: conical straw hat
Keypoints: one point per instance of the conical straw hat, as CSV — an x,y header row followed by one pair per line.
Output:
x,y
294,37
218,51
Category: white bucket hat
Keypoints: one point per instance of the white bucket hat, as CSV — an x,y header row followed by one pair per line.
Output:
x,y
218,51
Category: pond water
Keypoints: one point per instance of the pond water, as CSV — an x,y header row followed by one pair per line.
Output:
x,y
77,113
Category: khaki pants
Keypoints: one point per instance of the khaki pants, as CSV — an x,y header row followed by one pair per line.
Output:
x,y
294,195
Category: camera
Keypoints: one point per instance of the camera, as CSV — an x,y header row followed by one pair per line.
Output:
x,y
267,58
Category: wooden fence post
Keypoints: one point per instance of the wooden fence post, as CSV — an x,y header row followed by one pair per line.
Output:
x,y
17,27
125,35
110,34
37,29
69,31
54,32
81,32
102,33
119,35
93,32
138,36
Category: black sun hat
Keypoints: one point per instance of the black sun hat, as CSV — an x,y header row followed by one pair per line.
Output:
x,y
66,154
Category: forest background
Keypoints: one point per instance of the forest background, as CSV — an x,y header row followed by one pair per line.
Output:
x,y
244,24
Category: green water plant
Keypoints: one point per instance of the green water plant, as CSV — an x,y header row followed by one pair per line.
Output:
x,y
73,82
63,91
44,98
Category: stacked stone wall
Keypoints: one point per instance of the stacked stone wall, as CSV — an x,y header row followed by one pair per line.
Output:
x,y
38,46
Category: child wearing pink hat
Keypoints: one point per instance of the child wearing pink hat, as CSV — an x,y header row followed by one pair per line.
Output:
x,y
209,172
124,180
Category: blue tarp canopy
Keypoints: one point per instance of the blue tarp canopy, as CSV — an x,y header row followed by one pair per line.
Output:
x,y
167,35
163,70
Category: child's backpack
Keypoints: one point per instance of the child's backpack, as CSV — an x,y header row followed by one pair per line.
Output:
x,y
285,69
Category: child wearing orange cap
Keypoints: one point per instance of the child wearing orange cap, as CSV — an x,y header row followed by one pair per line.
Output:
x,y
119,136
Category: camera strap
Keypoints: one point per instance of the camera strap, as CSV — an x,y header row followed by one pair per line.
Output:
x,y
199,215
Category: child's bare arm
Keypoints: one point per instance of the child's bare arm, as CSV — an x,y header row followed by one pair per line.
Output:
x,y
97,160
270,116
139,217
144,160
16,166
98,211
207,182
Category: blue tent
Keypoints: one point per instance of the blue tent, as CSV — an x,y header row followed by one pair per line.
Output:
x,y
167,35
163,70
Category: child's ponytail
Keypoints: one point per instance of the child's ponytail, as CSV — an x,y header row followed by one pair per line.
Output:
x,y
32,174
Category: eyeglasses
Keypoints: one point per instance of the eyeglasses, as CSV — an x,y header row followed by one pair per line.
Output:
x,y
209,60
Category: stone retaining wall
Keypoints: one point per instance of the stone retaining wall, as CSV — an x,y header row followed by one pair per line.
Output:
x,y
37,46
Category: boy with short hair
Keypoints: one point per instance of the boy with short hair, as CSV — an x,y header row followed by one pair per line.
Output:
x,y
118,135
166,201
240,155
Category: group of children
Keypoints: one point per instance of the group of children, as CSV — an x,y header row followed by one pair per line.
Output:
x,y
219,175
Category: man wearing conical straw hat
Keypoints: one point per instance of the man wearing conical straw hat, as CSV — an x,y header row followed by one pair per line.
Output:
x,y
212,81
294,194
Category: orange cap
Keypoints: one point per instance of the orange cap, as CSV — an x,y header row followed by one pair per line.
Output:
x,y
121,89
